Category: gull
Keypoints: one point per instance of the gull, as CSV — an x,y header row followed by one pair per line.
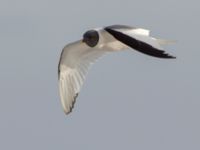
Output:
x,y
77,57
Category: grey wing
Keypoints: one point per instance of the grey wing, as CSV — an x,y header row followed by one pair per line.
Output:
x,y
74,63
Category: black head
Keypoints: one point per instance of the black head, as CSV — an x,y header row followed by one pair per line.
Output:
x,y
91,38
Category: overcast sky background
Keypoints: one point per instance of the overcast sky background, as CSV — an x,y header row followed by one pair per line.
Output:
x,y
129,100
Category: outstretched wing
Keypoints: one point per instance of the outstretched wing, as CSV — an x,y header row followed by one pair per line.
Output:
x,y
138,39
73,66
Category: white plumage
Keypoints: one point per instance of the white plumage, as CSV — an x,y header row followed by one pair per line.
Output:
x,y
77,57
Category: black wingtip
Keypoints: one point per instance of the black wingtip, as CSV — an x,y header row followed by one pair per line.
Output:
x,y
172,57
167,56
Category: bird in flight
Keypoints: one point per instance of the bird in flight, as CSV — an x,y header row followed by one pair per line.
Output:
x,y
76,57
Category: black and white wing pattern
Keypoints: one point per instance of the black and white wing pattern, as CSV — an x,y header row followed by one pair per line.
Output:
x,y
77,57
73,66
139,39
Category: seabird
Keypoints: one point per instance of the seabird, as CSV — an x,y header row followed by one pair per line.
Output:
x,y
76,57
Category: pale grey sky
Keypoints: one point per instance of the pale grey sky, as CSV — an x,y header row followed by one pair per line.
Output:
x,y
129,100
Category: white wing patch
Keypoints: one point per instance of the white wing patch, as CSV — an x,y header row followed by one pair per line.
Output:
x,y
141,31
